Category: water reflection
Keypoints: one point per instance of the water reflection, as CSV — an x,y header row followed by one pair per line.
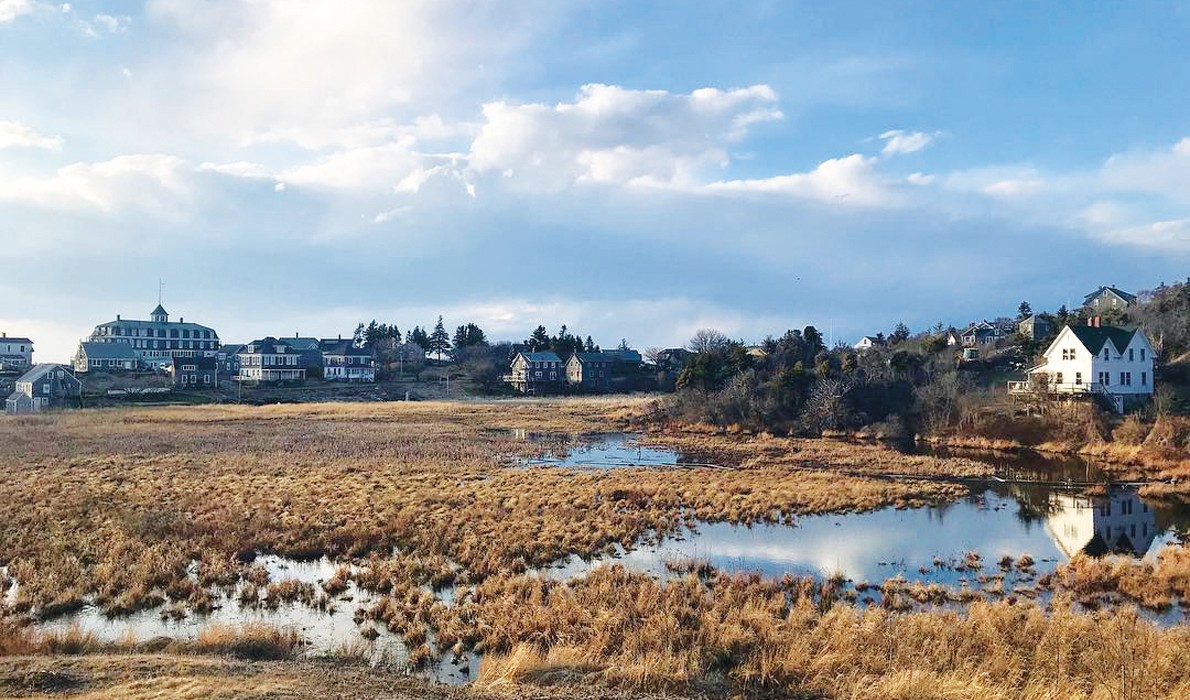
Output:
x,y
612,451
926,544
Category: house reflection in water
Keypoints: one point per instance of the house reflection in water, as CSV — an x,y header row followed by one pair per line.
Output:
x,y
1119,523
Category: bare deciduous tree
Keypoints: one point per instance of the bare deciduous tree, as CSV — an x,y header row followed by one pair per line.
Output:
x,y
707,340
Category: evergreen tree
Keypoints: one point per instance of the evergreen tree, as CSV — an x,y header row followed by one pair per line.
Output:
x,y
469,335
540,340
1024,310
439,340
590,346
419,337
358,336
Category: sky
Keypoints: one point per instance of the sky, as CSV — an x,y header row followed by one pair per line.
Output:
x,y
632,169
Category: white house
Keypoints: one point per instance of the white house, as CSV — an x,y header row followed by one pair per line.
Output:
x,y
867,342
343,362
16,354
1108,360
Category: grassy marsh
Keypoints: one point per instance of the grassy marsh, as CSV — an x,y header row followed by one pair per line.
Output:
x,y
131,509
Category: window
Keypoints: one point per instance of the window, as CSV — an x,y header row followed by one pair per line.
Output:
x,y
1065,354
1058,378
1144,378
1125,379
1142,354
1104,378
1078,377
1106,354
1131,355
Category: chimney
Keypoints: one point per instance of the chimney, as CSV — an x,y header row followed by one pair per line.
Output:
x,y
181,319
1098,321
1090,322
117,317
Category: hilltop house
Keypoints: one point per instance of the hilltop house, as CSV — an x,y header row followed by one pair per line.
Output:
x,y
158,340
1114,362
270,360
982,334
589,370
44,386
196,372
1106,298
534,372
1034,327
16,354
342,361
109,357
868,342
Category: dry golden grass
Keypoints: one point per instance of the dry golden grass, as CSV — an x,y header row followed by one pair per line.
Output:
x,y
760,637
115,507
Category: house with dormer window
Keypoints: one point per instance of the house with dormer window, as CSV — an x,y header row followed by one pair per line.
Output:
x,y
270,360
1113,362
536,372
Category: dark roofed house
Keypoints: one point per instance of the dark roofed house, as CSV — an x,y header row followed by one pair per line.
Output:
x,y
589,370
196,372
342,361
157,340
228,357
310,350
106,357
44,386
982,333
1106,298
536,372
16,354
270,360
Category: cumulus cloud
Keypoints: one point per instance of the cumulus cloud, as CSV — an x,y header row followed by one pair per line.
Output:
x,y
851,180
1162,172
899,142
1163,235
17,135
143,182
611,134
11,9
313,73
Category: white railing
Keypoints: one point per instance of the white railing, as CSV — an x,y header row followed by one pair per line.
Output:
x,y
1035,387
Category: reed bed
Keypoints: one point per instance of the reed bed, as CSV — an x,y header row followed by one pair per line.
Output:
x,y
762,637
135,509
131,509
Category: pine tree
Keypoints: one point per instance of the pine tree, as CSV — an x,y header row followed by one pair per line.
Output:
x,y
540,340
439,340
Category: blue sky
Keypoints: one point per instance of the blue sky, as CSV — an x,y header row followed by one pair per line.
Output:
x,y
631,169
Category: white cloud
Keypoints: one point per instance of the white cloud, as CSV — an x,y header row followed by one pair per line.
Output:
x,y
243,168
611,134
1012,188
145,182
1163,235
101,24
316,74
391,214
11,9
850,180
1164,172
17,135
899,142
